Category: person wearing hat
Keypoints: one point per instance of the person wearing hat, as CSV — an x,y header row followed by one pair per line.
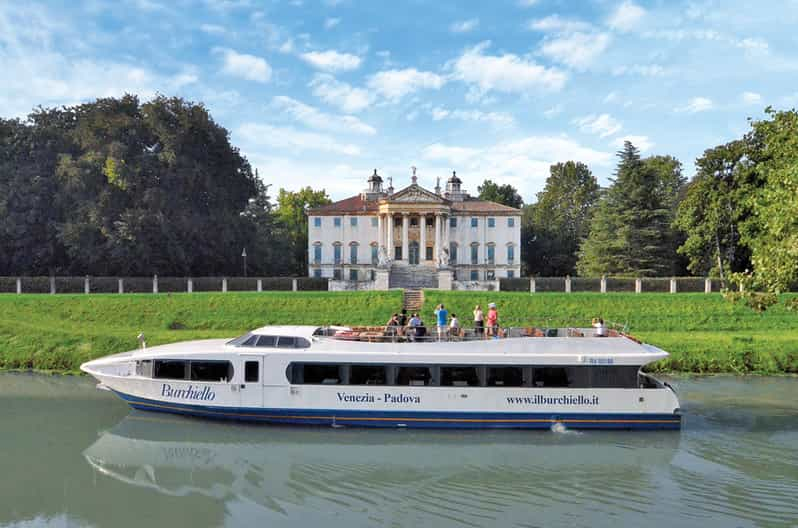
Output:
x,y
493,320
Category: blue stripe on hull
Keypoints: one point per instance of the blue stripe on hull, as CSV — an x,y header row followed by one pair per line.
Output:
x,y
413,419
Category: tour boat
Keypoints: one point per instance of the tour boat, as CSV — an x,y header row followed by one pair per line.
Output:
x,y
342,376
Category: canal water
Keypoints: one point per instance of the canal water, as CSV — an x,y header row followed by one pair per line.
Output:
x,y
71,455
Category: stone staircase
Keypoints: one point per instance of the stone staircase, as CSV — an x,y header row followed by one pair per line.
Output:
x,y
413,277
413,300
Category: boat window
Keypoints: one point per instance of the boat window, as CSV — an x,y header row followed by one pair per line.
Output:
x,y
251,369
267,341
211,371
618,377
144,368
286,342
459,376
550,377
414,376
367,375
301,342
319,374
169,369
238,341
505,377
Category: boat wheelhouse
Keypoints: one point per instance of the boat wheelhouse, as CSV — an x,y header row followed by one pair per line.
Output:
x,y
342,376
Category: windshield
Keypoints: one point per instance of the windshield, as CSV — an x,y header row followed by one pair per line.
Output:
x,y
240,339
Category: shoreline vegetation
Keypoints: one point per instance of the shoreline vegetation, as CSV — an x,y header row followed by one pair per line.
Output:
x,y
704,334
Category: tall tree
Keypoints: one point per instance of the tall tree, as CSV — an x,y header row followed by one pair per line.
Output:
x,y
293,223
631,230
556,224
714,208
504,194
772,230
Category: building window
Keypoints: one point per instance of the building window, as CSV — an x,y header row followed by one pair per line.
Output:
x,y
353,253
317,254
337,221
452,221
397,253
353,221
511,222
491,222
453,253
491,254
510,274
474,275
317,273
317,221
428,253
413,221
374,222
510,254
474,254
474,222
490,275
374,254
337,274
353,274
337,253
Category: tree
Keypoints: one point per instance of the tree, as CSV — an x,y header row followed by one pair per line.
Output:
x,y
504,194
631,231
714,208
772,230
556,224
293,224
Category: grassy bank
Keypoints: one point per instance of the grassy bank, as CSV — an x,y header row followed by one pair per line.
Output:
x,y
703,333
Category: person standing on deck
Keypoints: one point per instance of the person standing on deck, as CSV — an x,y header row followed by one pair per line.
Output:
x,y
479,321
443,315
493,320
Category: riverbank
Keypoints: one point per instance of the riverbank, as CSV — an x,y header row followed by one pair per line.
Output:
x,y
703,333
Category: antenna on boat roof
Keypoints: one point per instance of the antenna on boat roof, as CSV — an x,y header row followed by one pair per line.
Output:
x,y
142,342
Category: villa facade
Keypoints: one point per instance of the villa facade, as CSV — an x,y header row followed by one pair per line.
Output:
x,y
414,231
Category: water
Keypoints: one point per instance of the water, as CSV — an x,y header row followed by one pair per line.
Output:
x,y
71,455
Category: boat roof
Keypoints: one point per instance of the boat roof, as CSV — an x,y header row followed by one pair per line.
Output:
x,y
305,331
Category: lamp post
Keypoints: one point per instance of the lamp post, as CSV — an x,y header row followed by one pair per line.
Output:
x,y
244,254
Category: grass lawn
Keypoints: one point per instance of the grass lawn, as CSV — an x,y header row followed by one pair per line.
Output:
x,y
703,333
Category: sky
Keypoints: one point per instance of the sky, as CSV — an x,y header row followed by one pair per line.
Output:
x,y
322,92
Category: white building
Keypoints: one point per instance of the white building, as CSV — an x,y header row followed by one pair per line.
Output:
x,y
414,232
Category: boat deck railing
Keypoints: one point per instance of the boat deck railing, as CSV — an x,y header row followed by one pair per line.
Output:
x,y
427,334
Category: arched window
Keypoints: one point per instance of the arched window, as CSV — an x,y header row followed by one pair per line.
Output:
x,y
337,252
475,253
491,253
510,253
353,247
374,253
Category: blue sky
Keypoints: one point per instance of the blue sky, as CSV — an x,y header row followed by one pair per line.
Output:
x,y
321,92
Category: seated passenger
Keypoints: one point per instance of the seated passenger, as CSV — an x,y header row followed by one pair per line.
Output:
x,y
454,326
392,325
601,329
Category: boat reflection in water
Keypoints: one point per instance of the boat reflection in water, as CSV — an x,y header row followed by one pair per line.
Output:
x,y
389,475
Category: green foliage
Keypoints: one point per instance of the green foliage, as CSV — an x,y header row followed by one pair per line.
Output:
x,y
503,194
631,230
772,232
292,218
554,227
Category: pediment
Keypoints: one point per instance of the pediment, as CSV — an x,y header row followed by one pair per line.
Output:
x,y
415,194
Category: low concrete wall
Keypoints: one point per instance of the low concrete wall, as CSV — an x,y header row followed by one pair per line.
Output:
x,y
344,285
476,285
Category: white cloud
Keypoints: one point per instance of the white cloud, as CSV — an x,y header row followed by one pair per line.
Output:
x,y
504,73
495,118
464,26
557,23
626,16
312,117
604,125
395,84
212,29
332,60
260,135
554,111
697,104
577,50
330,23
644,70
340,94
751,98
611,97
527,3
339,179
523,163
244,66
752,44
643,143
